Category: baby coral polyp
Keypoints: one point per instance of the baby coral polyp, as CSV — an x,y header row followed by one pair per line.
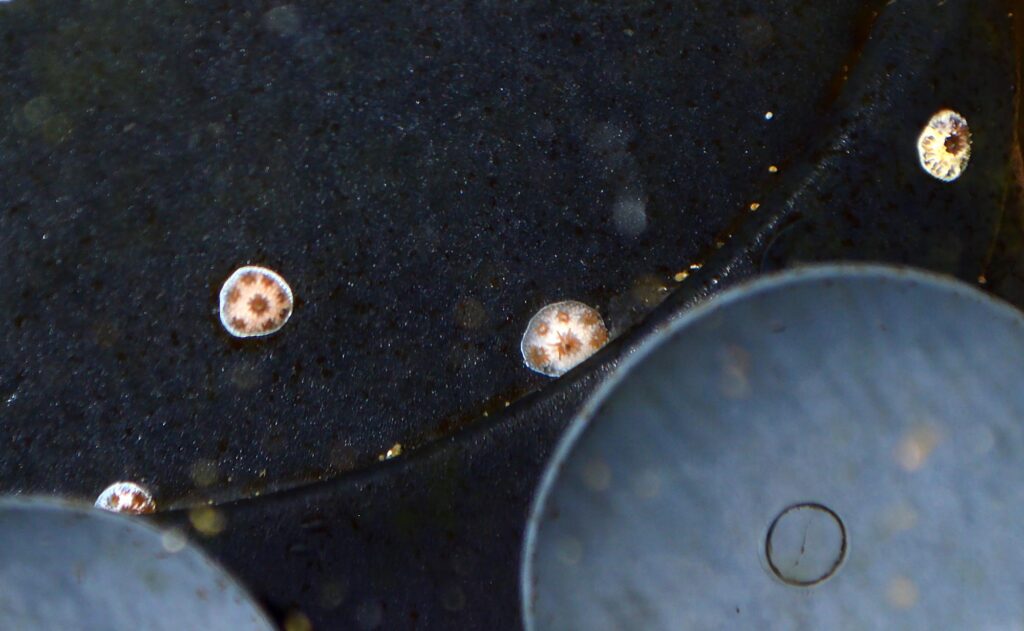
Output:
x,y
560,336
126,497
944,146
255,301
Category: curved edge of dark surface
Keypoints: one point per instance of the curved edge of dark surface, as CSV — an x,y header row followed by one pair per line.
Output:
x,y
396,514
773,282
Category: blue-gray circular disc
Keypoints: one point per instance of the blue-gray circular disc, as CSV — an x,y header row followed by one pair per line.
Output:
x,y
873,417
64,566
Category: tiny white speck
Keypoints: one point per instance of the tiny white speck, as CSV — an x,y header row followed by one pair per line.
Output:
x,y
768,116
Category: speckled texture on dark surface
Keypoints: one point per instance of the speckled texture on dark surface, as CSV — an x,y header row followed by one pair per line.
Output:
x,y
665,99
433,541
425,175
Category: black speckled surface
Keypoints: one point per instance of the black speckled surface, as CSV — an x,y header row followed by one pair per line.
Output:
x,y
426,175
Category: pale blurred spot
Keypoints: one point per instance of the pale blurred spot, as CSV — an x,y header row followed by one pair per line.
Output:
x,y
40,114
597,475
333,593
647,484
207,520
901,593
453,598
173,540
609,138
570,551
369,615
898,518
470,313
755,32
917,446
649,290
245,374
734,381
297,621
283,20
37,110
344,457
629,214
204,472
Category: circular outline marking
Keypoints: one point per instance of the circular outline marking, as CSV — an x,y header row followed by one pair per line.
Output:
x,y
835,566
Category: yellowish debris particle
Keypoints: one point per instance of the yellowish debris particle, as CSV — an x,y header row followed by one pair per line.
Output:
x,y
297,621
207,520
395,451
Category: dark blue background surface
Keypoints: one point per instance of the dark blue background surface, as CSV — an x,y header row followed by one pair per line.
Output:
x,y
427,175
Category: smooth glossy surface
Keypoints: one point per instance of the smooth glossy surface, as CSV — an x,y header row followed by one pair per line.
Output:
x,y
891,398
68,567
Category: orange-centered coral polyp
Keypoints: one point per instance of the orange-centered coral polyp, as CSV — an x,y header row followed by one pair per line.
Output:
x,y
255,301
560,336
944,146
126,497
